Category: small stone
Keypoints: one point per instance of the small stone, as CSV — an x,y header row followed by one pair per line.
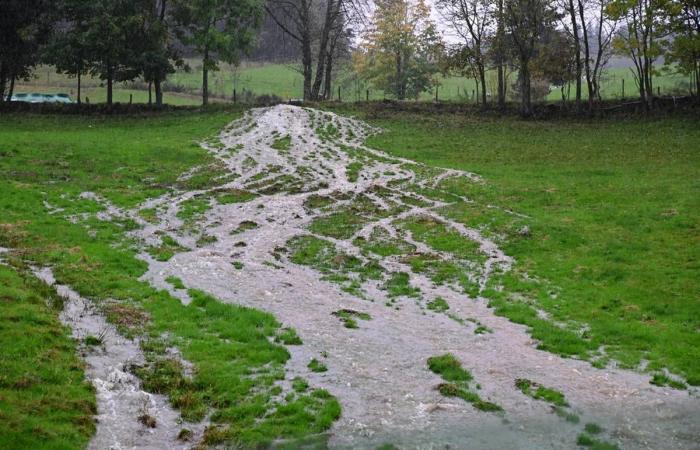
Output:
x,y
524,231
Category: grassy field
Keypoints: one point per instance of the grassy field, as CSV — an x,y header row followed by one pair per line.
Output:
x,y
45,402
613,211
285,81
55,158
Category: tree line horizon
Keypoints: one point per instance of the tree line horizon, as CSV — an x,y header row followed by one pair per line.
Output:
x,y
392,45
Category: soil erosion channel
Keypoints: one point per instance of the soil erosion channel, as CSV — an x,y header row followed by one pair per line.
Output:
x,y
346,245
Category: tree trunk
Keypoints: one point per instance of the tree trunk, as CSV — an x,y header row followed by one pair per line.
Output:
x,y
205,78
159,92
327,93
150,92
3,81
482,80
306,63
110,82
499,58
525,100
11,92
399,75
323,45
577,49
79,86
586,56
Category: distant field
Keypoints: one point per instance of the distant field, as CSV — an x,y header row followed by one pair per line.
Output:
x,y
285,81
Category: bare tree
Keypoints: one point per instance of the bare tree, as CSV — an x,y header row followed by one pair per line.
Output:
x,y
303,20
472,21
604,28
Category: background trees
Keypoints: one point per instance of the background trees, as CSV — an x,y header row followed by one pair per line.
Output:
x,y
218,29
400,49
25,26
549,44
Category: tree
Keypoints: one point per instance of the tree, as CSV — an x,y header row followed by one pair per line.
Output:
x,y
112,40
684,50
69,50
157,55
399,51
25,25
572,9
641,38
526,21
499,52
556,60
219,30
312,24
472,20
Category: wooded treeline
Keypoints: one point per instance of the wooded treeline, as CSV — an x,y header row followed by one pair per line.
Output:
x,y
513,49
545,44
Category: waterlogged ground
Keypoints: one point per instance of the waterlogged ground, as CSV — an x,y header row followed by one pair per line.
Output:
x,y
355,250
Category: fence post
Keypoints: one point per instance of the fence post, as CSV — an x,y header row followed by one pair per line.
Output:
x,y
623,88
339,93
234,95
658,91
436,93
131,98
367,94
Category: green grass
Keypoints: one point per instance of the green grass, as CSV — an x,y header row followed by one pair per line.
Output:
x,y
613,208
660,379
317,366
399,285
45,402
438,305
348,316
237,366
539,392
585,440
288,336
457,382
175,282
282,144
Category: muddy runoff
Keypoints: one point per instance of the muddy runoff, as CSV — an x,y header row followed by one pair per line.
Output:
x,y
289,157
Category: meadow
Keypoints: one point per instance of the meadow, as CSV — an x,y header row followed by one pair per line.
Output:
x,y
601,216
613,216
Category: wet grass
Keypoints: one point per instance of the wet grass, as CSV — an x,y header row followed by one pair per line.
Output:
x,y
398,285
348,316
45,402
613,211
539,392
317,366
166,250
660,379
438,304
193,208
228,196
288,336
584,440
458,382
282,144
245,226
175,282
382,244
235,363
336,266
